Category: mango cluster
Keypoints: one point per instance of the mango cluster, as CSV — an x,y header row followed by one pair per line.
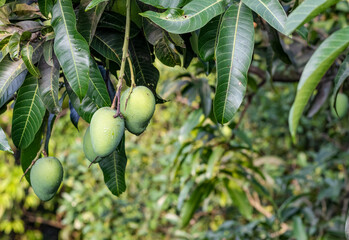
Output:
x,y
105,132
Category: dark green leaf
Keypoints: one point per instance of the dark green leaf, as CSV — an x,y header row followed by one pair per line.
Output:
x,y
45,6
28,113
4,146
74,116
48,52
314,70
233,56
146,74
177,40
208,38
165,51
116,21
152,32
27,56
109,45
88,20
49,84
305,12
31,26
191,17
166,3
205,91
13,45
342,74
275,43
70,47
113,167
198,195
271,11
94,3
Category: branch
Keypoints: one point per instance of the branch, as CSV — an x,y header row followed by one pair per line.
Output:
x,y
276,77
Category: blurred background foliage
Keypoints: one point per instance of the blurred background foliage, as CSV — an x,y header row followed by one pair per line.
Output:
x,y
188,178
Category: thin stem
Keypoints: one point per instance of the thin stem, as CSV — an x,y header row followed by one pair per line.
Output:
x,y
41,150
123,60
133,82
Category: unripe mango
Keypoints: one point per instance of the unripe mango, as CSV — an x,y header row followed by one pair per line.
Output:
x,y
139,110
88,149
46,176
341,105
106,131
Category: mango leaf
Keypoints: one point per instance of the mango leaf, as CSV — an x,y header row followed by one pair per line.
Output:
x,y
205,91
113,168
198,195
97,88
27,56
109,45
70,47
275,43
233,56
314,70
45,7
165,51
4,47
208,38
305,12
28,113
13,45
94,3
49,84
271,11
29,153
299,231
116,21
30,26
152,32
342,74
239,198
48,52
166,3
88,20
191,17
4,146
146,74
74,116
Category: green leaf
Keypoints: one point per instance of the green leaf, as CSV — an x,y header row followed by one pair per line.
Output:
x,y
208,38
48,52
166,3
13,45
113,167
314,70
27,56
191,17
88,20
165,51
233,55
342,74
94,3
205,91
29,153
271,11
239,198
275,43
200,193
109,45
4,146
49,84
45,6
116,21
299,232
4,47
97,88
305,12
146,74
70,47
28,113
152,32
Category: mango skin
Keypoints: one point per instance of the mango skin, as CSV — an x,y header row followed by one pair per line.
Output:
x,y
139,110
46,176
106,131
88,149
342,104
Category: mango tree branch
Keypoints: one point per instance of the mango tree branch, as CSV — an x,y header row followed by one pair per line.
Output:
x,y
123,60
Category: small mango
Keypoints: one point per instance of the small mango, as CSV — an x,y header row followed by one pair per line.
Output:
x,y
341,105
139,110
46,176
88,149
106,131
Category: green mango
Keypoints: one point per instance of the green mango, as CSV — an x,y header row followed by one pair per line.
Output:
x,y
88,149
106,131
139,110
46,176
341,105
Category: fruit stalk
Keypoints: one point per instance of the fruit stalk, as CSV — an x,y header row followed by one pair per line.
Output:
x,y
133,83
123,60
